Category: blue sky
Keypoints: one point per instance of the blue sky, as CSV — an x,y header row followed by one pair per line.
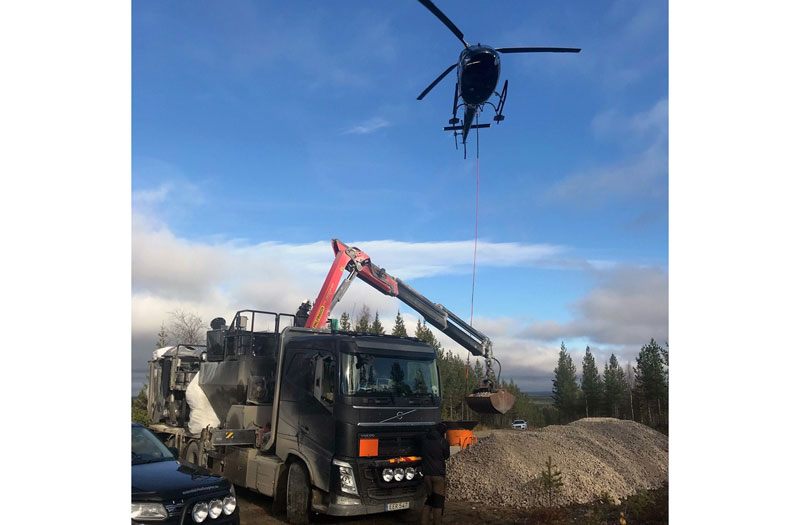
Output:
x,y
260,130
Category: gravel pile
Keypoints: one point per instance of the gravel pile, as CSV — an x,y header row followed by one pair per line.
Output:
x,y
594,455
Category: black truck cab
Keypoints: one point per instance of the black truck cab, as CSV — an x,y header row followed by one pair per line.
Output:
x,y
352,408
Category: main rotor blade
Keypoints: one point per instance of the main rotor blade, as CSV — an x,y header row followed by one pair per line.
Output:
x,y
433,84
538,49
446,21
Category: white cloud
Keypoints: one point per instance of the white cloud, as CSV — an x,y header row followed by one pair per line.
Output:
x,y
629,306
216,279
368,126
650,124
150,197
643,173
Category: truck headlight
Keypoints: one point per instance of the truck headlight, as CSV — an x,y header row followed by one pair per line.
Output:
x,y
200,511
398,474
347,479
410,473
214,508
387,475
148,511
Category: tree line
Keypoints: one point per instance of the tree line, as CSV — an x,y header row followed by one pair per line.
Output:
x,y
638,392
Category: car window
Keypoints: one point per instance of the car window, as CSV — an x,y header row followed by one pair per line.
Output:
x,y
146,448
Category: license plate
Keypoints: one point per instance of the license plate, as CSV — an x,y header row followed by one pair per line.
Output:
x,y
397,506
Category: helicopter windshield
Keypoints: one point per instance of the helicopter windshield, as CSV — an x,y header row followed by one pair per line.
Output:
x,y
479,77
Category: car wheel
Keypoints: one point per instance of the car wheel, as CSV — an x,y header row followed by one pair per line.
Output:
x,y
298,494
192,453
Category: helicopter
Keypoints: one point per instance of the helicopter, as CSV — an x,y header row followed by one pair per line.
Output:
x,y
478,74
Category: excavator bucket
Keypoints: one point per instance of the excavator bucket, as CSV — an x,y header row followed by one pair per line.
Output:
x,y
498,402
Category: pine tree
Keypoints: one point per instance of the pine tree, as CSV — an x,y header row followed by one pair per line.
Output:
x,y
163,337
425,334
139,407
614,379
344,322
477,372
363,323
399,326
630,385
565,386
376,327
651,380
551,482
591,385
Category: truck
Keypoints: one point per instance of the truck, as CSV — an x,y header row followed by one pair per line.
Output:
x,y
319,419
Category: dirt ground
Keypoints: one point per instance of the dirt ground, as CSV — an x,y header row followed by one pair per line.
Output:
x,y
256,509
649,508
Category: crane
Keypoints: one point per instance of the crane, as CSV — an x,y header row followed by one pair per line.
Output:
x,y
487,398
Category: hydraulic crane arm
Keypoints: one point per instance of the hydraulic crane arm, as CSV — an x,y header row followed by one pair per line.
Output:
x,y
487,399
358,263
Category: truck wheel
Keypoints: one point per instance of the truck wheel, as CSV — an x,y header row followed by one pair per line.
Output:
x,y
298,494
192,453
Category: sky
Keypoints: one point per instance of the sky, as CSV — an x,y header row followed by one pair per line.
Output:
x,y
261,130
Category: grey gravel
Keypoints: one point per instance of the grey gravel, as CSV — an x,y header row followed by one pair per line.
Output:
x,y
596,456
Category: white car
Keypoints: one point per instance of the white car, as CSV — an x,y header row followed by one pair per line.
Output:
x,y
519,424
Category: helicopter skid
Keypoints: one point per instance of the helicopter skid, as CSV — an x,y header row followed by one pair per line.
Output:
x,y
458,128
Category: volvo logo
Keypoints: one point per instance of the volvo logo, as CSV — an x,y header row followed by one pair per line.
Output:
x,y
400,414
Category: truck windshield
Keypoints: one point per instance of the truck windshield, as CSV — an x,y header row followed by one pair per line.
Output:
x,y
368,374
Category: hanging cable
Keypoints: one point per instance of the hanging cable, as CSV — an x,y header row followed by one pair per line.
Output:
x,y
477,193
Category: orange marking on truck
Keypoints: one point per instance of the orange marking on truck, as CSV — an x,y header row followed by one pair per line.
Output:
x,y
367,447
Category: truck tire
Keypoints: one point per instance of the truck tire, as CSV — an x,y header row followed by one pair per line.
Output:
x,y
192,453
298,494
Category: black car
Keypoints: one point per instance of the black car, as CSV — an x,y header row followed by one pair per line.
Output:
x,y
165,489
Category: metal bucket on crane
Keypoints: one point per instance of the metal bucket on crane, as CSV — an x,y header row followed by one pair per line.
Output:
x,y
483,401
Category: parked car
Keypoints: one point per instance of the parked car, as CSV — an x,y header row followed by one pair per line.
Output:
x,y
519,424
167,490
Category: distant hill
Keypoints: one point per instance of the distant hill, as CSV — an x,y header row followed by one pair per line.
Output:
x,y
541,398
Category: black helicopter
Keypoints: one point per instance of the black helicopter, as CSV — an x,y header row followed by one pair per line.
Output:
x,y
478,73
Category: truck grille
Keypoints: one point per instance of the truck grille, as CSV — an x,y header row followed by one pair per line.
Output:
x,y
397,446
